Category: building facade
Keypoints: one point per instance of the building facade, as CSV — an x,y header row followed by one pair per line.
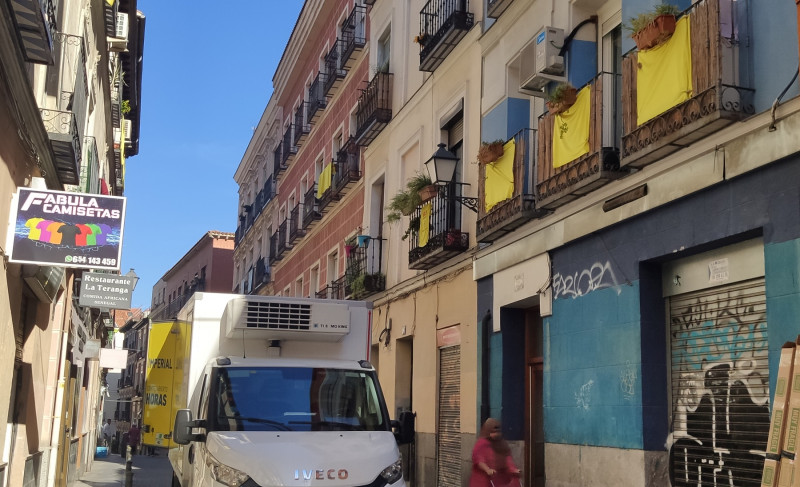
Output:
x,y
70,97
614,286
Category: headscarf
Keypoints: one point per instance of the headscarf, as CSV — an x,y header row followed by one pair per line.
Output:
x,y
499,445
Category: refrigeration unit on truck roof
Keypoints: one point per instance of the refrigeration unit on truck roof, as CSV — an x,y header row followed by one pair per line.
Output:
x,y
276,318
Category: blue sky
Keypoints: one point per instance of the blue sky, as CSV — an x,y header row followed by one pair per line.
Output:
x,y
207,77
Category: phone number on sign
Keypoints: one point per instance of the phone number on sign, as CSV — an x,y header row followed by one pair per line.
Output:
x,y
81,259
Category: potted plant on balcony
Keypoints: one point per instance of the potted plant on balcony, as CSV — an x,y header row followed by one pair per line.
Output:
x,y
407,200
490,151
651,28
561,98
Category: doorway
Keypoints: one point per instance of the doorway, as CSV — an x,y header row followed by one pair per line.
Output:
x,y
534,417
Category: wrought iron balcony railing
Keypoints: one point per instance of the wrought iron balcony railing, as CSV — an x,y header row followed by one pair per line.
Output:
x,y
289,149
494,8
62,130
365,269
442,24
35,22
296,223
374,109
338,288
301,125
556,186
330,195
334,73
310,210
445,238
316,97
348,167
720,50
261,274
275,249
507,215
278,163
283,234
354,36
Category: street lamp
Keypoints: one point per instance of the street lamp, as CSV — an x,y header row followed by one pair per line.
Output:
x,y
442,169
442,165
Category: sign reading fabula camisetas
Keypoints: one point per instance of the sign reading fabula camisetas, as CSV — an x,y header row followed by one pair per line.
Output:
x,y
66,229
106,290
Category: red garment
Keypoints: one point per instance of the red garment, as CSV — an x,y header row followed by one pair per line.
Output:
x,y
483,452
133,436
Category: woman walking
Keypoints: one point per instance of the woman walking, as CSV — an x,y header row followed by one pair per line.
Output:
x,y
492,465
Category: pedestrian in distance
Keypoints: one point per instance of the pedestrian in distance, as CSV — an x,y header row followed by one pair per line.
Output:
x,y
492,465
108,431
133,438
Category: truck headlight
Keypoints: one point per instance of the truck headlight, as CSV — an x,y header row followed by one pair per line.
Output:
x,y
393,472
228,475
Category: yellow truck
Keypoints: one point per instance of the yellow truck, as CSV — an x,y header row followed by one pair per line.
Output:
x,y
167,356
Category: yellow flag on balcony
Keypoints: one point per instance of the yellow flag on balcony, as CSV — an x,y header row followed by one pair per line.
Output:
x,y
324,180
571,130
424,224
664,74
498,184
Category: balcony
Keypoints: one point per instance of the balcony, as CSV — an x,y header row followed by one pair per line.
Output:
x,y
718,97
508,215
301,126
289,149
283,233
556,186
275,249
364,272
329,195
310,211
316,97
353,36
62,130
278,164
494,8
348,167
442,25
334,73
374,109
90,169
295,223
338,288
261,274
35,21
446,240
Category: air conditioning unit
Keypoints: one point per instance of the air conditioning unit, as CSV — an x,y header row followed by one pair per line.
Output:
x,y
275,318
540,62
121,27
127,129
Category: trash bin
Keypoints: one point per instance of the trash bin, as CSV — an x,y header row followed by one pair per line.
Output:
x,y
101,452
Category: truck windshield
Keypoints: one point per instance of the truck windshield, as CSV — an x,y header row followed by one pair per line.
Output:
x,y
295,399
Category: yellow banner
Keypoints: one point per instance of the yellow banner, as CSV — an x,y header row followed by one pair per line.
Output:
x,y
167,349
424,224
499,181
664,75
324,180
571,130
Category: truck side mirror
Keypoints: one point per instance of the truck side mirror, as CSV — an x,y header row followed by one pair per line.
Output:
x,y
182,432
405,427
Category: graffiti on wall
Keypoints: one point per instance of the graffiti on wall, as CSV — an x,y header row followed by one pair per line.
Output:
x,y
721,391
584,396
598,276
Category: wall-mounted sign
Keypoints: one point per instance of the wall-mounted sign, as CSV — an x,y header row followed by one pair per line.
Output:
x,y
106,290
66,229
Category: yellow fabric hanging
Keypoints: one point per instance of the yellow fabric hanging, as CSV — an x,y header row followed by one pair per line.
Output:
x,y
571,130
499,181
424,224
664,75
324,180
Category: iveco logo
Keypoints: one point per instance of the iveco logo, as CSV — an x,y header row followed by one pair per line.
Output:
x,y
330,474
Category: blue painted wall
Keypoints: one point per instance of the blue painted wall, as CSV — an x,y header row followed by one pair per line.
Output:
x,y
608,329
581,62
506,119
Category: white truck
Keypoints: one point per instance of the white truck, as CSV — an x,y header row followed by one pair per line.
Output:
x,y
282,394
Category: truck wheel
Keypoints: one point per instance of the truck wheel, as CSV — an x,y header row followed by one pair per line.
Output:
x,y
175,481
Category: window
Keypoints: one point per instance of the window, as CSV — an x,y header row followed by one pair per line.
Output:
x,y
384,51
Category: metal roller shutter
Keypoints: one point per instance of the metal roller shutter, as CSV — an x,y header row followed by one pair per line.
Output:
x,y
719,385
449,427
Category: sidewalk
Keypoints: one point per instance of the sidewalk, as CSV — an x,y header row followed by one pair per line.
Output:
x,y
110,471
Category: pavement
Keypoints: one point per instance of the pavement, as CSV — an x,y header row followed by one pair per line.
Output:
x,y
110,471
